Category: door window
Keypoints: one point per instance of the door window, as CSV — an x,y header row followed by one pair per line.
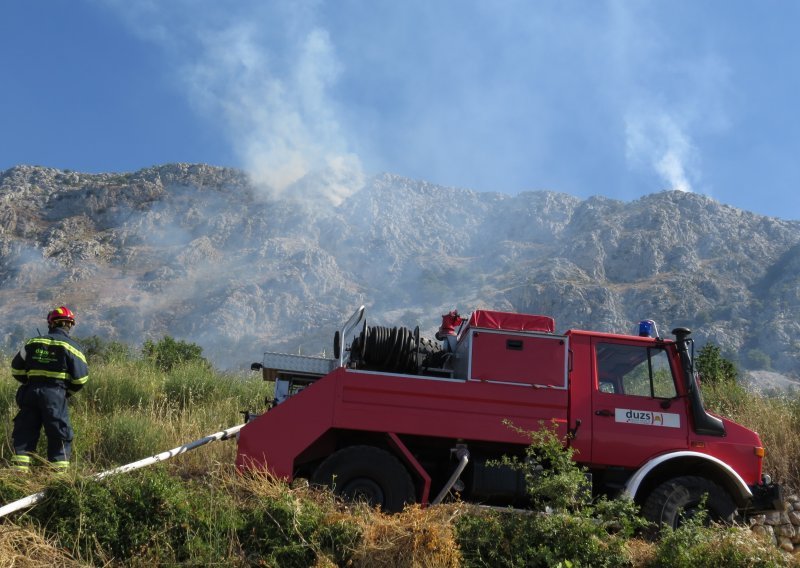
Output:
x,y
634,370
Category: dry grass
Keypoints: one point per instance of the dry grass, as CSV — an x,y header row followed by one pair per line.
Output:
x,y
415,538
775,419
642,552
26,548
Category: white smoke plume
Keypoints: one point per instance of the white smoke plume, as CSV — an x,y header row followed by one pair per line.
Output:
x,y
273,103
670,102
661,142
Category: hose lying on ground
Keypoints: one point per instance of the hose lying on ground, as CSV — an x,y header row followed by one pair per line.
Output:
x,y
163,456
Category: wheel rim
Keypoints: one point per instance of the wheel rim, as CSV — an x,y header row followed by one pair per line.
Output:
x,y
688,512
364,489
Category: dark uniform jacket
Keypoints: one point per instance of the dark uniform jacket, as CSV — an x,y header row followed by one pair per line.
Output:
x,y
51,357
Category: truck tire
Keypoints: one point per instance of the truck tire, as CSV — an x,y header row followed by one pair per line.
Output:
x,y
680,498
366,473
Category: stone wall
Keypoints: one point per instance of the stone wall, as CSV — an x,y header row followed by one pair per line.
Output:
x,y
782,527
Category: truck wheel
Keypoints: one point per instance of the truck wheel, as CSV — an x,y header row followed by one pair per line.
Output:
x,y
366,473
680,498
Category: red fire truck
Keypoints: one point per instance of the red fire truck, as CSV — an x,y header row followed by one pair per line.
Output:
x,y
394,418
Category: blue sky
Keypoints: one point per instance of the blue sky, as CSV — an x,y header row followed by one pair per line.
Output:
x,y
614,98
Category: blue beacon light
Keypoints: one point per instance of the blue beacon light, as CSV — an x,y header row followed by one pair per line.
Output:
x,y
647,328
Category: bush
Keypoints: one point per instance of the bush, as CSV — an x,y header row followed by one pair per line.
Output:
x,y
510,539
282,530
168,353
148,516
694,544
757,359
99,350
552,478
81,514
714,368
579,533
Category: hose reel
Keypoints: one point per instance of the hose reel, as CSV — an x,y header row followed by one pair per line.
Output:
x,y
391,349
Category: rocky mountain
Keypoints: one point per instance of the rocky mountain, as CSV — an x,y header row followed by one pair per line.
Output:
x,y
199,253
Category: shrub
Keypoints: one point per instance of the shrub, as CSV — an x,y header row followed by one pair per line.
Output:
x,y
714,368
512,539
552,478
99,350
167,353
13,486
81,514
148,516
757,359
579,533
282,530
694,544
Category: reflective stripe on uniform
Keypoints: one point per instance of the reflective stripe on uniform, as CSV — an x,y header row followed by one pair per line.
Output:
x,y
19,371
80,380
56,375
60,464
69,347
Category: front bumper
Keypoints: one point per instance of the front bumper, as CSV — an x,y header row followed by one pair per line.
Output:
x,y
766,497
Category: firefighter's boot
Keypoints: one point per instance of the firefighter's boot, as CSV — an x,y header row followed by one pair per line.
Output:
x,y
21,463
59,467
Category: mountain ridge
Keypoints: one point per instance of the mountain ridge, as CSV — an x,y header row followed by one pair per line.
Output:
x,y
200,253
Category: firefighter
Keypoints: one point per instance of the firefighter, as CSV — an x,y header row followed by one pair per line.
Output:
x,y
51,368
447,331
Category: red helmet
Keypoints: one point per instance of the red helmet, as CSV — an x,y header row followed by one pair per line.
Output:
x,y
60,314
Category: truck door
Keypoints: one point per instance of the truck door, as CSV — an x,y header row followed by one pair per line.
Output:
x,y
636,411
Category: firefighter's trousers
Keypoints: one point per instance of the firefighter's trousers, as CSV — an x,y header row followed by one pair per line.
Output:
x,y
43,403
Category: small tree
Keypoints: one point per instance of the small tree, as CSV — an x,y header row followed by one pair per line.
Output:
x,y
714,368
758,359
98,350
552,478
168,353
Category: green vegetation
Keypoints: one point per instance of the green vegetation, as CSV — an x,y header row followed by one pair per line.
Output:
x,y
168,353
714,368
694,544
98,350
196,510
552,479
758,359
577,531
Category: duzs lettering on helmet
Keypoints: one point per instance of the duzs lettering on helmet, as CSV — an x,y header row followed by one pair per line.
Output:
x,y
647,417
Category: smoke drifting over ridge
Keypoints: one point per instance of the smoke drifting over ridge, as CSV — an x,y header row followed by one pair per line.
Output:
x,y
659,142
262,72
308,93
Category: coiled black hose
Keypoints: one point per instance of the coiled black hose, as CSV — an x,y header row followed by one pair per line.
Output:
x,y
395,349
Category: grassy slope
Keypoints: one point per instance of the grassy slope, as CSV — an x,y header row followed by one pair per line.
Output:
x,y
195,510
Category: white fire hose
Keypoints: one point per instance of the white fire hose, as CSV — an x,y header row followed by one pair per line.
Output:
x,y
163,456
